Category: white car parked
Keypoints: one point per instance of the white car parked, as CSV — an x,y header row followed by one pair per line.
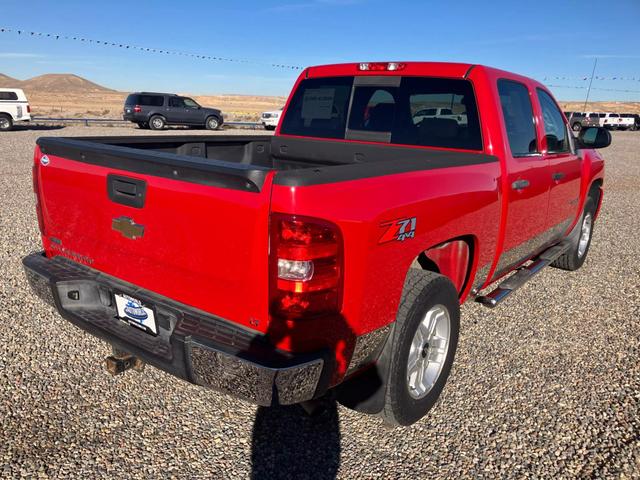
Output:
x,y
270,119
14,107
611,120
620,121
420,115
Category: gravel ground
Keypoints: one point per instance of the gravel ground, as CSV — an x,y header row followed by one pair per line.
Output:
x,y
547,385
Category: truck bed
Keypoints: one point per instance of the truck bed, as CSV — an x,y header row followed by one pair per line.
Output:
x,y
242,161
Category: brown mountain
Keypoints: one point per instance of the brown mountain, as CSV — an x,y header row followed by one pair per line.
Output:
x,y
8,82
62,83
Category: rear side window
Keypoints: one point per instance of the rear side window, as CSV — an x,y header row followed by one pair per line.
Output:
x,y
555,130
145,100
420,111
614,115
8,96
518,117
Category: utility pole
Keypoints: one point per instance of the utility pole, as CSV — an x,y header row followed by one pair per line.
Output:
x,y
595,62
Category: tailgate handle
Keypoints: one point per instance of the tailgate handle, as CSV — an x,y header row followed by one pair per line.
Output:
x,y
126,191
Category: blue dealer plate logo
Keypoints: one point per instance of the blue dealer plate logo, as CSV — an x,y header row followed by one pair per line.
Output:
x,y
135,311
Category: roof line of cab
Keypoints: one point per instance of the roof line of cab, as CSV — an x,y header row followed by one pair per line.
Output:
x,y
428,69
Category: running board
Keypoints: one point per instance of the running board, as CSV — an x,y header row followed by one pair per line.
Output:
x,y
522,276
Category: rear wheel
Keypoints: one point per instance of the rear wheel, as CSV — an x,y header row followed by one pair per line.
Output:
x,y
157,122
212,123
6,123
576,255
142,125
423,345
269,127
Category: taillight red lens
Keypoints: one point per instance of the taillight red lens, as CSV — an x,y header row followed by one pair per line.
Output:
x,y
28,108
137,109
306,267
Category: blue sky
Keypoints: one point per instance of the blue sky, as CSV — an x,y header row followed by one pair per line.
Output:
x,y
547,38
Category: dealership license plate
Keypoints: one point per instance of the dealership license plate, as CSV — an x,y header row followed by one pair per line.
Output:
x,y
136,313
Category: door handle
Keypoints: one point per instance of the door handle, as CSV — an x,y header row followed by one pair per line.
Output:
x,y
557,176
126,191
520,184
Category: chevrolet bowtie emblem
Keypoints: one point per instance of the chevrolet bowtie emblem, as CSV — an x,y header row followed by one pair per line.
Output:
x,y
127,227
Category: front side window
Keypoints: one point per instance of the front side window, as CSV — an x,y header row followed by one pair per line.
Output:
x,y
555,130
431,112
517,113
190,103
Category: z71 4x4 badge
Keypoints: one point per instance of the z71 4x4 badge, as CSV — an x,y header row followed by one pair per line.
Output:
x,y
398,230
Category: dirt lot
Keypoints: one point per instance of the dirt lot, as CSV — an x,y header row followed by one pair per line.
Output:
x,y
547,385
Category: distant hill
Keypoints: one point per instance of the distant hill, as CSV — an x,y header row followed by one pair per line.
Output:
x,y
63,83
54,82
8,82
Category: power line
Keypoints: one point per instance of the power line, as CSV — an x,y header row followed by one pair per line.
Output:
x,y
584,87
127,46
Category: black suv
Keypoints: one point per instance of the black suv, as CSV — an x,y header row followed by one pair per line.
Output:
x,y
157,110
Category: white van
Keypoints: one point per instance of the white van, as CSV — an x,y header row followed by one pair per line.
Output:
x,y
14,107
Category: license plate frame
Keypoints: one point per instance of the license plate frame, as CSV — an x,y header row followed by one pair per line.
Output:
x,y
136,313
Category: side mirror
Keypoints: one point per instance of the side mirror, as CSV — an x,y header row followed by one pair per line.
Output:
x,y
594,137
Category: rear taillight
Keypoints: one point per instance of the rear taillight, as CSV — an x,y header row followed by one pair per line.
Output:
x,y
28,108
137,109
36,190
306,267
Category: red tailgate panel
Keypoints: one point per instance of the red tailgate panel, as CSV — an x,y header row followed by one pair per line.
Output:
x,y
203,246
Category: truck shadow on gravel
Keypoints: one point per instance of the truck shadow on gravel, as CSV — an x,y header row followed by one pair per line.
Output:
x,y
287,443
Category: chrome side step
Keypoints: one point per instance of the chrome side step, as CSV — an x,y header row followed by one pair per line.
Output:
x,y
522,276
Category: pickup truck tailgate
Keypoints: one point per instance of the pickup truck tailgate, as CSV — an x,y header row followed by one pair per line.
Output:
x,y
198,238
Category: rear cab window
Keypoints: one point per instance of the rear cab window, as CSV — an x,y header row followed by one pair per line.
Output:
x,y
420,111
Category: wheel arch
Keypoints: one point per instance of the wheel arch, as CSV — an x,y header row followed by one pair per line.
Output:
x,y
454,258
595,191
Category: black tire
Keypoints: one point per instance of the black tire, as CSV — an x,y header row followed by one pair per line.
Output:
x,y
6,123
142,125
212,123
573,259
576,127
157,122
269,127
422,291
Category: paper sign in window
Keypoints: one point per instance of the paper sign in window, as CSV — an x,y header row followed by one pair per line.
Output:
x,y
317,103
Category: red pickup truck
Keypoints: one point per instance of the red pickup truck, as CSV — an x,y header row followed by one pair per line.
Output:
x,y
331,256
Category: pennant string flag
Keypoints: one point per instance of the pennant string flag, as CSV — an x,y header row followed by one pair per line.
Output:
x,y
148,49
